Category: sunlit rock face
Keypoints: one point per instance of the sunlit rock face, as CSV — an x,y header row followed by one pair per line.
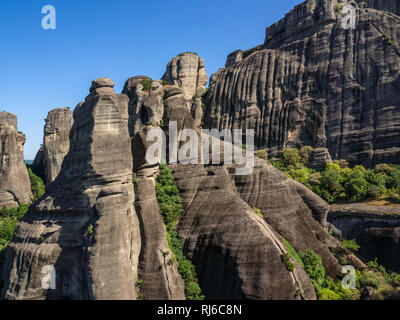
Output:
x,y
85,226
55,143
312,82
15,186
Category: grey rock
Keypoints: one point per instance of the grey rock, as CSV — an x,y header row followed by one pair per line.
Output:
x,y
15,185
187,71
314,83
375,228
319,158
55,143
85,225
160,277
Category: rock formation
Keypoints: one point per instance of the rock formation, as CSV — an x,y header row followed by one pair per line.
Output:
x,y
188,72
312,82
85,226
55,143
319,158
160,280
375,228
15,185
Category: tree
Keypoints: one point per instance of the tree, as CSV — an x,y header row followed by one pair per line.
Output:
x,y
305,153
290,156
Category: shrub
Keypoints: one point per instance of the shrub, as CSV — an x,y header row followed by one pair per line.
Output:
x,y
304,154
338,7
171,209
288,264
350,244
263,154
290,156
327,294
147,84
258,212
90,229
293,253
193,291
165,82
37,185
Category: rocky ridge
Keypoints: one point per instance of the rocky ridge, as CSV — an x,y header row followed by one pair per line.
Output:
x,y
15,185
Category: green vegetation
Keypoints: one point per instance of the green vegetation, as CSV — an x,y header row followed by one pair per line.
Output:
x,y
386,285
37,185
288,264
337,182
263,154
338,7
161,123
389,41
138,287
171,209
165,82
10,217
90,229
195,97
258,212
292,252
147,84
350,244
8,221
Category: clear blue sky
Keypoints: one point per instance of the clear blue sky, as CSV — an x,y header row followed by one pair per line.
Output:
x,y
41,70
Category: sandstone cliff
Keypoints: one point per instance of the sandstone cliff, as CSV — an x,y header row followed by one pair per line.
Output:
x,y
55,143
15,185
314,83
85,226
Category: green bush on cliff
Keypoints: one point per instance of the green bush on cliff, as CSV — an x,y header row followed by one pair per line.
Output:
x,y
37,185
350,244
8,221
171,209
338,182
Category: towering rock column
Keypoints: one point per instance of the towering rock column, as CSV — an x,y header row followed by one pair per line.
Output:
x,y
187,71
55,143
84,231
15,186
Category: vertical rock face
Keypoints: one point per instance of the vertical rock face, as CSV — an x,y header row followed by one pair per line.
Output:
x,y
55,143
15,185
376,229
187,78
319,158
160,279
314,83
85,226
187,71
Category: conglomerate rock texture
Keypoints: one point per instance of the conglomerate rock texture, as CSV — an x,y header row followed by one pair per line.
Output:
x,y
55,143
312,82
15,185
85,226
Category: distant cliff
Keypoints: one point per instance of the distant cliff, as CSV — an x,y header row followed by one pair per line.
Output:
x,y
15,185
314,83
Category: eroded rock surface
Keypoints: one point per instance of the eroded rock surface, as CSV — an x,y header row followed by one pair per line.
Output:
x,y
375,228
314,83
55,143
160,279
85,226
188,72
15,185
